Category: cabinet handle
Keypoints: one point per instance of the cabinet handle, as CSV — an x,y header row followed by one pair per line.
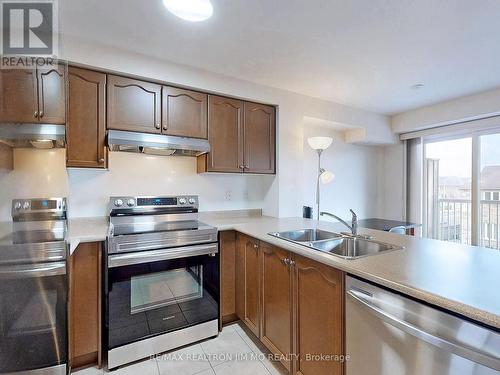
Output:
x,y
255,246
41,114
101,160
246,167
292,263
286,261
164,127
35,114
157,126
241,166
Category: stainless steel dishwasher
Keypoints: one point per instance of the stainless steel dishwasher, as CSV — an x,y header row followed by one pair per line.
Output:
x,y
387,333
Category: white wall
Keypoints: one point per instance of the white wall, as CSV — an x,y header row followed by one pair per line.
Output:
x,y
358,182
393,195
42,173
36,173
283,197
155,175
280,195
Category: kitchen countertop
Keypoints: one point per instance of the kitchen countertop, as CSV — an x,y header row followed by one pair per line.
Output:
x,y
463,279
86,229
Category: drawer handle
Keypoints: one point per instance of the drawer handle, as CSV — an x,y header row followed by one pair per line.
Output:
x,y
157,126
35,114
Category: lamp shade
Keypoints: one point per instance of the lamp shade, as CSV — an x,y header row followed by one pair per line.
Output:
x,y
326,176
319,143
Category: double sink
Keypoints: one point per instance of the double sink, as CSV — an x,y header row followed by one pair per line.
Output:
x,y
341,245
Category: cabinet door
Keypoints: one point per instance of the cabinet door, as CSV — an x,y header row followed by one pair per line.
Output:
x,y
18,96
259,138
86,128
133,105
227,242
247,284
319,307
184,113
276,328
225,134
85,305
51,95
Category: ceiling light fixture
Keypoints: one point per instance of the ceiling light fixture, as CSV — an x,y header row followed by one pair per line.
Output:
x,y
417,86
190,10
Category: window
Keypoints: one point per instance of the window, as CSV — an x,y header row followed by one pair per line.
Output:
x,y
460,199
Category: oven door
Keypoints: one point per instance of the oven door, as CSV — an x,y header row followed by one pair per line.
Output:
x,y
154,292
33,317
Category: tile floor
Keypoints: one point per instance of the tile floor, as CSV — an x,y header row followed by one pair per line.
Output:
x,y
234,351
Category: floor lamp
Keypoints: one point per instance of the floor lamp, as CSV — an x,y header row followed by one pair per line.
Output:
x,y
320,144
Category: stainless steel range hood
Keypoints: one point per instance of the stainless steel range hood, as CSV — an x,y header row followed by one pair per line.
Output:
x,y
156,144
33,135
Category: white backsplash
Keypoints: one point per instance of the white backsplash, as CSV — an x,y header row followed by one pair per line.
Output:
x,y
42,173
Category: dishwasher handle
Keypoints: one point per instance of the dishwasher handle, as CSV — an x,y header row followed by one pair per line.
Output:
x,y
472,354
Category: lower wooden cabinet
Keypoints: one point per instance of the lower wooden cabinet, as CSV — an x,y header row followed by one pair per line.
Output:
x,y
277,307
293,304
227,249
85,305
319,306
248,283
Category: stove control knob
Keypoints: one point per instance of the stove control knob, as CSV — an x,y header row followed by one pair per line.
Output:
x,y
192,200
17,206
118,203
26,205
131,202
182,200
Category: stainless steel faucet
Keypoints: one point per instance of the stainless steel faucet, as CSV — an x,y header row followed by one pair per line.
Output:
x,y
354,225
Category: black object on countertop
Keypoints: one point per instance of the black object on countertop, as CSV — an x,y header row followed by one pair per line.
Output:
x,y
307,212
386,225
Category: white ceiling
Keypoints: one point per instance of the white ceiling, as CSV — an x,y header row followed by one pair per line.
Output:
x,y
362,53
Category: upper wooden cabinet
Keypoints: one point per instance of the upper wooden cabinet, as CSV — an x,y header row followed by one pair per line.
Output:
x,y
133,105
29,96
184,113
225,130
247,282
259,138
242,137
276,327
51,98
86,127
19,96
319,299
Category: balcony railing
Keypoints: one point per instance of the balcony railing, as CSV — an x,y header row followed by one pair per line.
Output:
x,y
455,222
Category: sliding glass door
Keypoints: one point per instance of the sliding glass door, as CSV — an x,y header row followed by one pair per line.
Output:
x,y
447,190
461,189
489,182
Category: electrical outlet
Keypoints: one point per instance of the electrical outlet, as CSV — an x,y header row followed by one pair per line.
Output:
x,y
228,195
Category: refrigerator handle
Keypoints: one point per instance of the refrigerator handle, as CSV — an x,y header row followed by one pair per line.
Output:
x,y
472,354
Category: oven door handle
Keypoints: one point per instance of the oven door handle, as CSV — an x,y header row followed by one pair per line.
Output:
x,y
22,271
119,260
